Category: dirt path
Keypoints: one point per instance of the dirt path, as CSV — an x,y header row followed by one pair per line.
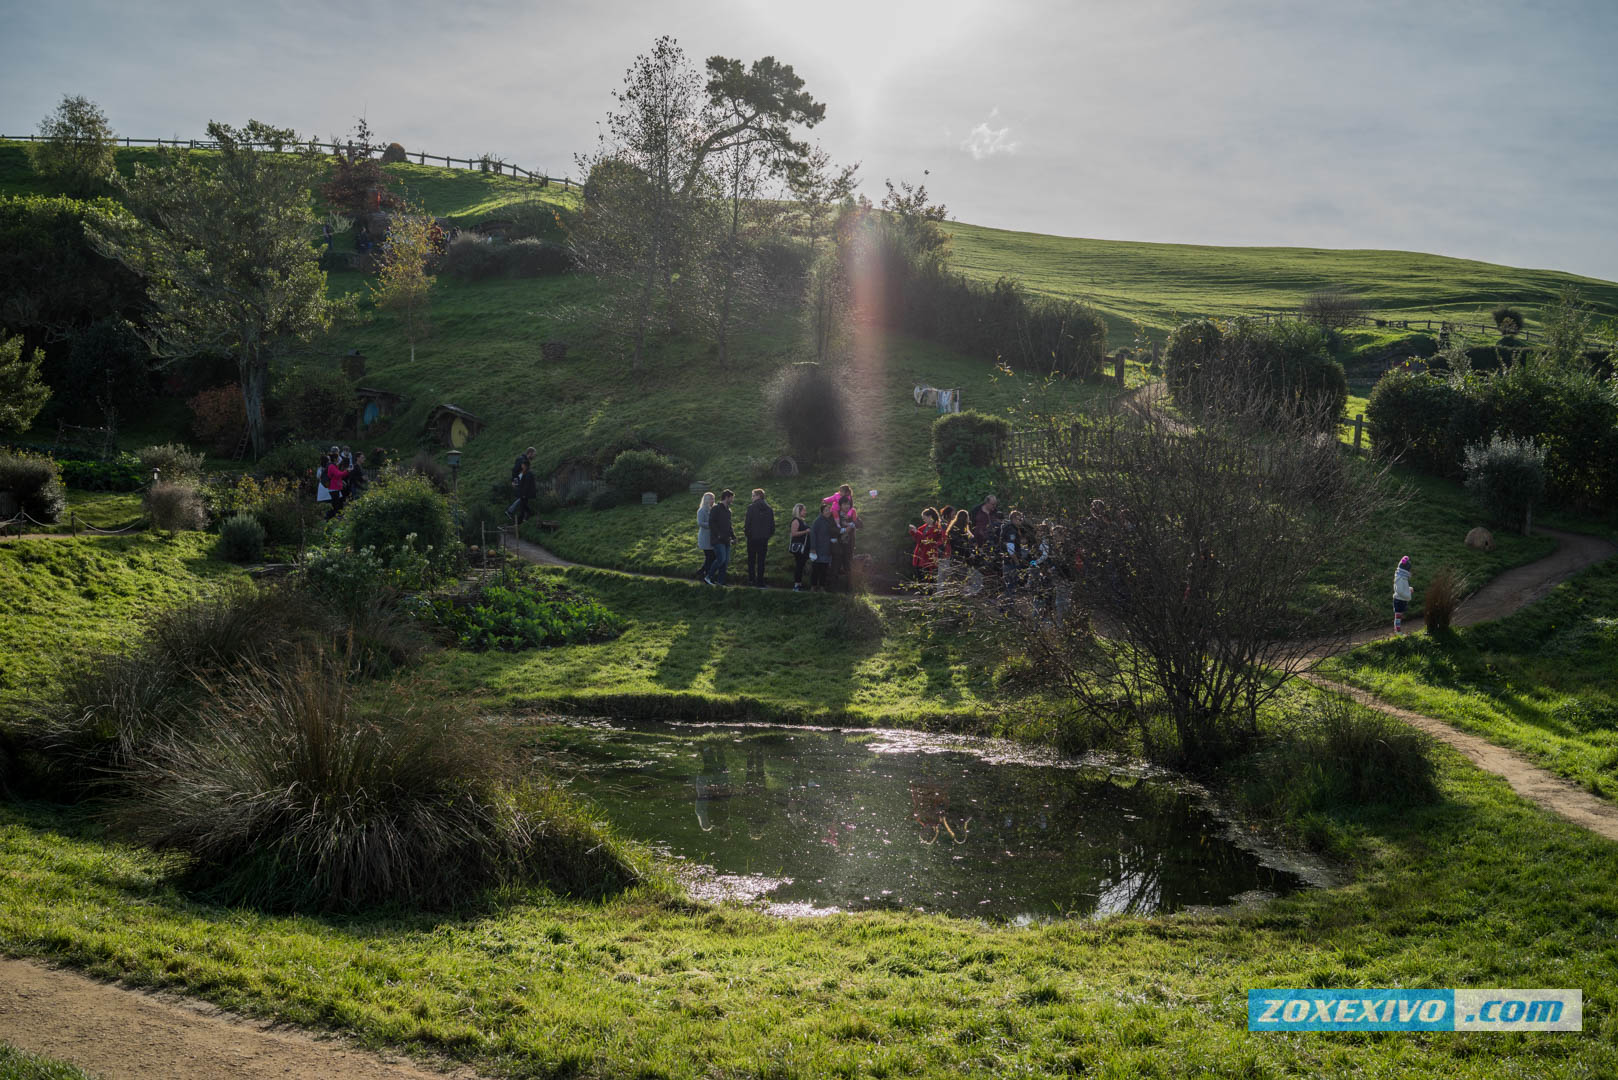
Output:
x,y
119,1034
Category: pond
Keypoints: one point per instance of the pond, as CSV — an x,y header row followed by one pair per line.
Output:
x,y
812,820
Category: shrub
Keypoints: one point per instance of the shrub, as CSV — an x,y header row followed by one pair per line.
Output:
x,y
1507,477
1190,355
1440,599
1331,309
291,796
174,462
313,403
175,507
34,481
1423,420
472,258
1286,362
241,538
427,467
398,508
347,581
394,154
635,471
482,521
537,258
966,454
1508,320
123,473
527,616
606,499
109,714
218,417
810,407
295,460
1572,415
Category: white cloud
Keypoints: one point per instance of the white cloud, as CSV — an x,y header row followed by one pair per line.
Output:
x,y
984,141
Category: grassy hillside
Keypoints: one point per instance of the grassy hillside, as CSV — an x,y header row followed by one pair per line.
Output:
x,y
1163,284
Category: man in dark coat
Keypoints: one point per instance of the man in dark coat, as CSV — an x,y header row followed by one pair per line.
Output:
x,y
721,534
758,526
527,488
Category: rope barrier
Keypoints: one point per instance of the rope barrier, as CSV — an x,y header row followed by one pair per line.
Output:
x,y
23,515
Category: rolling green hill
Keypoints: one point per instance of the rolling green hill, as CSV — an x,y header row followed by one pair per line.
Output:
x,y
1160,285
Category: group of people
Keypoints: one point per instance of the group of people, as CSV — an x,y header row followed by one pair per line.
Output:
x,y
954,545
821,544
339,479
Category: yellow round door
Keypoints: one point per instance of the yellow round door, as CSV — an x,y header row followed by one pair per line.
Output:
x,y
458,433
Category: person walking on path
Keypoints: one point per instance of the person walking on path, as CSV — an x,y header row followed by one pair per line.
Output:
x,y
822,535
723,535
798,545
929,542
758,525
527,488
705,534
1401,593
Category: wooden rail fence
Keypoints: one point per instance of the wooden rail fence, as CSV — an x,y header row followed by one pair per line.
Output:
x,y
477,164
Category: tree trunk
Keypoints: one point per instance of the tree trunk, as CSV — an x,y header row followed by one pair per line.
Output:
x,y
642,315
255,375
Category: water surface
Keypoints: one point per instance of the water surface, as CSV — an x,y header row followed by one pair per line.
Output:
x,y
822,819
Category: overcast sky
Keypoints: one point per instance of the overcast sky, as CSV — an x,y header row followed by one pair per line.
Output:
x,y
1480,129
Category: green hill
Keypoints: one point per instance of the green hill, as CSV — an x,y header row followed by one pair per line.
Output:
x,y
1160,285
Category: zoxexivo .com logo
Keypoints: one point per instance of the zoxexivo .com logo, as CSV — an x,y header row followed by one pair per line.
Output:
x,y
1415,1010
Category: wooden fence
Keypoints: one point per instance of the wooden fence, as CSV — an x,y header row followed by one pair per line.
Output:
x,y
477,164
1396,324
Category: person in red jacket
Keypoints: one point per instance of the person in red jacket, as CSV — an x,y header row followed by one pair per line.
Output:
x,y
929,542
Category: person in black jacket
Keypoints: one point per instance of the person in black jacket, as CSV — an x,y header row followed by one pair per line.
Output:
x,y
758,526
527,488
822,537
721,534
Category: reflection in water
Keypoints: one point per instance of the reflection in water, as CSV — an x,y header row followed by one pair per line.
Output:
x,y
861,820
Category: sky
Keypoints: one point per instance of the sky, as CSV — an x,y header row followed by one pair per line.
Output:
x,y
1484,129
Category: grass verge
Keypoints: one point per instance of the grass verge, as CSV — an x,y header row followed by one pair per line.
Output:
x,y
20,1065
1542,681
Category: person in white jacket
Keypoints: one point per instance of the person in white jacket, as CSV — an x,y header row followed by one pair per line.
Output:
x,y
1401,593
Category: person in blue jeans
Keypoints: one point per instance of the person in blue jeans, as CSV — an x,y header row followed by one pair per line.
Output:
x,y
722,534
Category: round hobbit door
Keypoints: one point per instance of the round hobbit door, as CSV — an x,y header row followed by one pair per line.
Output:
x,y
458,433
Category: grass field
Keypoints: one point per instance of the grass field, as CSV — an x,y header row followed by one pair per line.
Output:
x,y
62,600
1544,681
1161,285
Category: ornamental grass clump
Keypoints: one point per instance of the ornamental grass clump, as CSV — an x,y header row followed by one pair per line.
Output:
x,y
290,795
1441,598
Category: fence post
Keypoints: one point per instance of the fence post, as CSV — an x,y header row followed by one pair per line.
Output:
x,y
1119,373
1359,427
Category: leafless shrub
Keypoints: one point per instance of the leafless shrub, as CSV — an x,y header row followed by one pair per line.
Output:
x,y
1332,309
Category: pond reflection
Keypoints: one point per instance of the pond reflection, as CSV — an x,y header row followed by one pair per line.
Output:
x,y
859,819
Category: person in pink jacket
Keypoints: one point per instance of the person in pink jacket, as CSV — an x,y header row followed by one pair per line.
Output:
x,y
335,476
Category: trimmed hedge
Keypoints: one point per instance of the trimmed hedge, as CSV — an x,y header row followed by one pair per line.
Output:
x,y
1282,363
34,481
966,454
123,473
633,472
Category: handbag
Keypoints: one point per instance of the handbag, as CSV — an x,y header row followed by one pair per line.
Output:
x,y
796,547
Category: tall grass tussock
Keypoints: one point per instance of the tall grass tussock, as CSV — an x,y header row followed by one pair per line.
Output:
x,y
287,794
1442,597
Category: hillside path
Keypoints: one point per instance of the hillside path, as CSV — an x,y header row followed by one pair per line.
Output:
x,y
120,1034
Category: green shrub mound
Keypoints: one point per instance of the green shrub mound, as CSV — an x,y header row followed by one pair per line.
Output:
x,y
1428,421
810,407
606,499
293,460
1507,477
479,258
636,471
35,482
528,615
241,538
290,796
967,449
174,461
1285,367
123,473
396,509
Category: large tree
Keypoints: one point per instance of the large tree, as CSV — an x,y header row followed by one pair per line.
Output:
x,y
224,243
658,158
75,150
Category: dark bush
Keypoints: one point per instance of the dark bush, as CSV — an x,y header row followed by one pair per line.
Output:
x,y
1424,421
606,499
537,258
174,462
121,474
241,538
1190,356
966,454
1332,309
398,508
426,466
472,258
481,522
394,154
175,507
1573,416
313,402
104,360
811,409
636,471
1507,477
291,796
998,322
294,460
35,483
1508,320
